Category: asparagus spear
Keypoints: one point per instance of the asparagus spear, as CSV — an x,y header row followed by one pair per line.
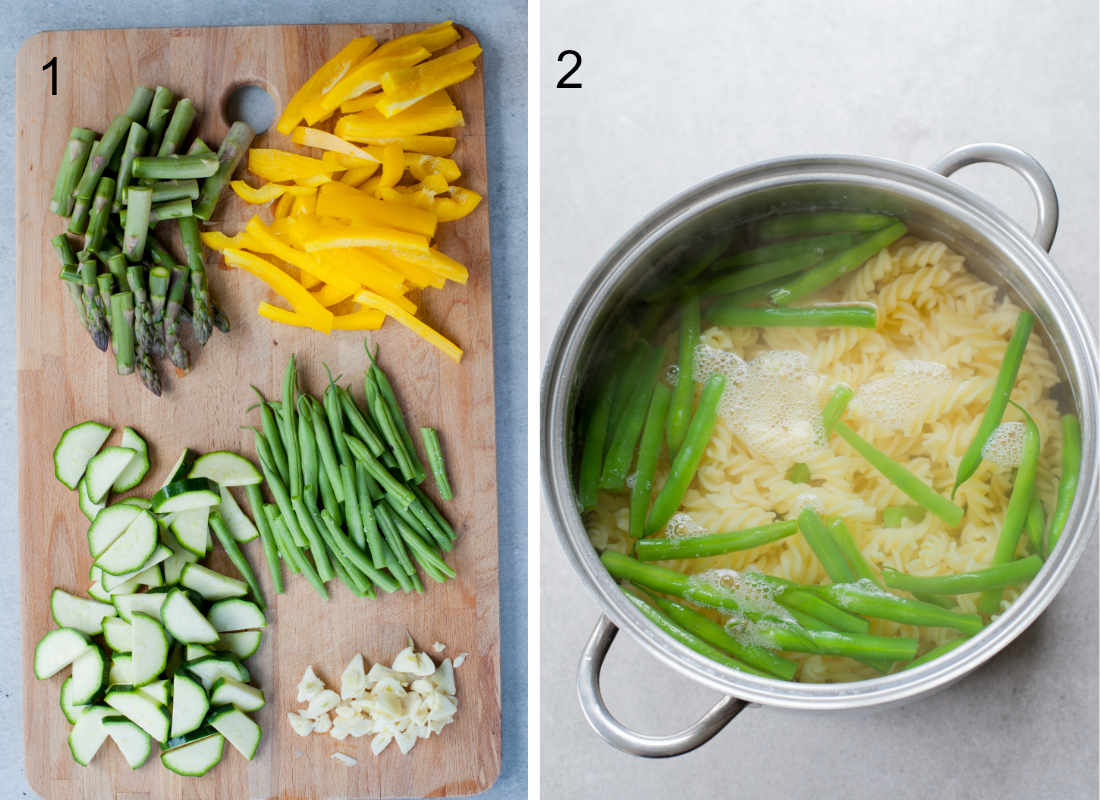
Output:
x,y
160,278
202,321
135,146
78,213
199,165
157,120
177,353
101,156
137,222
71,278
170,209
116,265
140,101
97,218
106,283
183,115
97,314
122,331
233,147
75,157
164,191
144,332
198,146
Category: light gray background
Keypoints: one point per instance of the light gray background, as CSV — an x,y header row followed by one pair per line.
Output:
x,y
501,26
677,92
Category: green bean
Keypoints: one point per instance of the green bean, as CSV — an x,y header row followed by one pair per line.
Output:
x,y
396,448
624,436
689,639
936,652
979,580
437,515
629,378
389,530
410,519
329,461
687,459
714,634
278,490
328,498
844,542
352,515
294,467
674,287
787,225
274,437
414,579
1036,524
592,451
387,394
835,618
334,414
236,557
761,273
824,547
1067,484
360,423
868,600
754,294
307,454
880,650
430,524
679,412
356,555
1019,504
270,513
1002,389
855,315
799,473
373,538
818,245
812,623
420,549
435,461
895,516
267,539
279,527
713,544
649,451
835,406
388,483
704,262
901,477
313,536
837,265
341,566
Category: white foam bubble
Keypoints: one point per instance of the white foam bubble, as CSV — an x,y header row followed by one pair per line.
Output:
x,y
808,500
1005,446
672,374
896,400
682,526
750,591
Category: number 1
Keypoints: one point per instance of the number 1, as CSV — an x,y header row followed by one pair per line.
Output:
x,y
51,65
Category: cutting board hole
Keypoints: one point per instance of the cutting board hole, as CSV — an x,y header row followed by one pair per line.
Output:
x,y
250,103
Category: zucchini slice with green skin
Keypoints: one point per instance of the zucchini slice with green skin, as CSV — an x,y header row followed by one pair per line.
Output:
x,y
72,711
108,525
157,690
189,705
89,672
213,586
181,468
185,495
174,566
91,510
130,551
239,730
122,670
151,578
242,644
149,715
229,691
56,650
192,530
75,449
184,621
194,652
118,634
104,468
149,654
160,553
135,471
134,743
235,614
201,732
194,759
86,616
97,592
144,503
226,469
88,734
209,669
240,526
147,603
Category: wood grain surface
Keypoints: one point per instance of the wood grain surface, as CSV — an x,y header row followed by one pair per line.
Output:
x,y
63,379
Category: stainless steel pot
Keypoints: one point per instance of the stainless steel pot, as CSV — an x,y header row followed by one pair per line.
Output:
x,y
995,247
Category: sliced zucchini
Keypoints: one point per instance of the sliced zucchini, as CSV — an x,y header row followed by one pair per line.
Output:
x,y
235,615
186,495
75,449
239,730
135,471
235,693
89,670
242,644
122,670
196,758
201,732
91,510
134,743
56,650
196,651
72,711
173,567
189,704
151,578
88,734
104,469
97,592
143,710
240,526
157,690
185,622
160,553
149,655
181,468
144,503
192,530
211,585
148,603
226,469
209,669
108,525
86,616
130,551
118,634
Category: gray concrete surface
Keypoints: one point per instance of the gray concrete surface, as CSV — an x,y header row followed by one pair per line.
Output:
x,y
502,28
676,92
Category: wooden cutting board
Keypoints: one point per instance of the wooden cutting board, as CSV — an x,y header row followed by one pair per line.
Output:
x,y
63,379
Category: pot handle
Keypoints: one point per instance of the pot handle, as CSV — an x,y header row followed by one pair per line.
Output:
x,y
618,735
1025,165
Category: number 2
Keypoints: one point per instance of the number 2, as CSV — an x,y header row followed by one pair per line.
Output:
x,y
563,82
51,65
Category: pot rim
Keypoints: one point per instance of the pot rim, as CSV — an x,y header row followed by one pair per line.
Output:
x,y
964,206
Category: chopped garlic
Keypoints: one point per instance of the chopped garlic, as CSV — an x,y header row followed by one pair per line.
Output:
x,y
460,659
322,702
345,760
353,680
322,724
299,724
309,685
439,647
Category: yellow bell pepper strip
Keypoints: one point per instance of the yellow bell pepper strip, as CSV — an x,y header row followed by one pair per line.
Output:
x,y
356,176
342,161
306,279
323,79
314,181
420,328
216,240
437,262
438,36
362,320
323,140
265,193
279,166
361,103
367,76
413,122
421,165
329,296
376,236
426,145
282,208
393,165
266,242
406,87
461,203
342,202
283,285
366,269
304,204
415,274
